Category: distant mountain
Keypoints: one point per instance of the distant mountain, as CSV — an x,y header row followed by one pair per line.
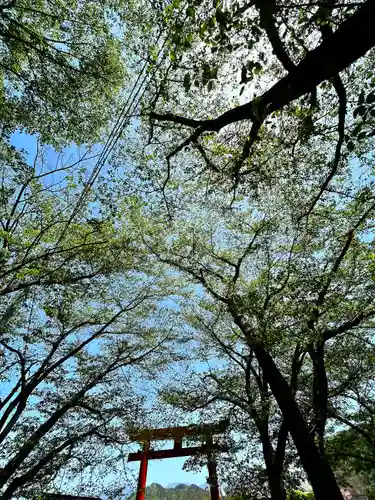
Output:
x,y
180,492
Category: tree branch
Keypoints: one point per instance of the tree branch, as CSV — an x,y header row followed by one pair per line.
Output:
x,y
350,41
348,325
340,90
327,32
266,9
343,420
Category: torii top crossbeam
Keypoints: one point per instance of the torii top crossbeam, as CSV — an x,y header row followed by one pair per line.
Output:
x,y
179,432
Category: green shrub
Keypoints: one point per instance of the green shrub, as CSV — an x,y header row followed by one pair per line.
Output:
x,y
300,495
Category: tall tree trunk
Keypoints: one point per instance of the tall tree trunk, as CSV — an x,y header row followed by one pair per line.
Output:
x,y
273,474
317,468
320,393
273,471
275,483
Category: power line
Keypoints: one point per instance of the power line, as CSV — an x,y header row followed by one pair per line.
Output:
x,y
121,122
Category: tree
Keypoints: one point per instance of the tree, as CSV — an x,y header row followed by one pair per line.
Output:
x,y
220,154
321,63
179,492
62,67
278,286
82,317
69,375
224,388
254,201
352,457
236,389
352,450
48,235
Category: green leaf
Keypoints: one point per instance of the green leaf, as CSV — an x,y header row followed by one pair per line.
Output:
x,y
212,22
176,37
220,17
257,68
202,30
362,135
357,128
190,11
187,82
350,146
213,73
359,111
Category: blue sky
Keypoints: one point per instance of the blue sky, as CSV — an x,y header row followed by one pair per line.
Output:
x,y
26,142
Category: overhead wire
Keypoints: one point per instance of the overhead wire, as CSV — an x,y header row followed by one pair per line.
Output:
x,y
122,121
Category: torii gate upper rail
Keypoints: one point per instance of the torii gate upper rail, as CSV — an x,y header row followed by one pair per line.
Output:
x,y
177,434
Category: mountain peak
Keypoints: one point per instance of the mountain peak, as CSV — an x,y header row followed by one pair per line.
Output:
x,y
182,486
180,492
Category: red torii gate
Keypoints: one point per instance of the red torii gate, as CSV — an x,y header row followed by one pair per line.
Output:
x,y
177,434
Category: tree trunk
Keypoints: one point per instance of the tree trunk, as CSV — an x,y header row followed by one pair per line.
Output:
x,y
276,487
320,393
273,470
317,468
